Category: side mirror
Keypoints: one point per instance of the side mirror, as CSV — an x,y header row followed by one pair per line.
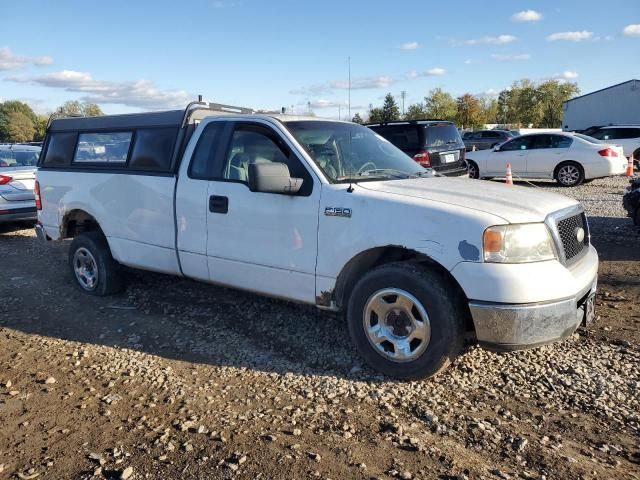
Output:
x,y
272,178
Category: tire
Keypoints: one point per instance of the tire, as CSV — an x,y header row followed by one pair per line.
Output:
x,y
569,174
93,269
636,217
433,297
474,171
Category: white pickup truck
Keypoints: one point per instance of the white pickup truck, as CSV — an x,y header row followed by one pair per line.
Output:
x,y
321,212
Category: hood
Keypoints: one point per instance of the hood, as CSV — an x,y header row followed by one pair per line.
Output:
x,y
512,203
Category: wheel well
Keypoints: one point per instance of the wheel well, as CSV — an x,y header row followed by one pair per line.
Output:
x,y
76,222
370,259
564,162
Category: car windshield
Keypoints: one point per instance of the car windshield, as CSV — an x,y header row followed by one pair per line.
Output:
x,y
586,138
11,157
349,152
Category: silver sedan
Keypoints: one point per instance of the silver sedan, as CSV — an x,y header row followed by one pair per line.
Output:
x,y
18,164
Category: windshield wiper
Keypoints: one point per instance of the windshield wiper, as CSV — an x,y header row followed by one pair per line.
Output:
x,y
385,172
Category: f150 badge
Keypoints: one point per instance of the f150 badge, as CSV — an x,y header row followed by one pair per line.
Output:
x,y
337,212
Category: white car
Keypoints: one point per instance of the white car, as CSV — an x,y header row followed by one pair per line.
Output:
x,y
627,136
321,212
568,158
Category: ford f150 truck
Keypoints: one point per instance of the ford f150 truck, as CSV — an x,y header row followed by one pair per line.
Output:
x,y
321,212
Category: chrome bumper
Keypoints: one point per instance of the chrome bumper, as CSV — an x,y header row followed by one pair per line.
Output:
x,y
508,327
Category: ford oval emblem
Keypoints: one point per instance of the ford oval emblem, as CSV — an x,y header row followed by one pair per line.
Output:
x,y
580,234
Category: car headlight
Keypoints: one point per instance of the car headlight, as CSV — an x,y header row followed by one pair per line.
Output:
x,y
530,242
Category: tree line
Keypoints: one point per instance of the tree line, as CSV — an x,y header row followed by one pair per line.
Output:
x,y
524,104
19,123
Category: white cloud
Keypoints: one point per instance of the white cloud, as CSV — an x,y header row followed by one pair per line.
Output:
x,y
410,46
566,75
570,36
499,40
526,16
140,93
365,83
511,57
471,61
11,61
433,72
632,30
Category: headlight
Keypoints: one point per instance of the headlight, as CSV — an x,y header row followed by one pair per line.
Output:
x,y
524,243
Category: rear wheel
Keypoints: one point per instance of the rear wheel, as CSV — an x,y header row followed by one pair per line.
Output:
x,y
474,171
93,268
406,320
569,174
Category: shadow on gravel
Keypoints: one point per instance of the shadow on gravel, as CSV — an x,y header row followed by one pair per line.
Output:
x,y
10,227
172,317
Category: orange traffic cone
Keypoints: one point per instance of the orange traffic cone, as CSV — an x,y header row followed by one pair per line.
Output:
x,y
629,172
509,179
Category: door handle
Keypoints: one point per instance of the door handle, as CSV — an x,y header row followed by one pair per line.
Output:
x,y
218,204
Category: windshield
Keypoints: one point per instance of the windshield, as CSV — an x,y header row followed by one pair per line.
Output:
x,y
18,158
349,152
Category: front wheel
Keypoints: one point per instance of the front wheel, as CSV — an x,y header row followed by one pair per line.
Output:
x,y
474,171
569,174
93,268
406,320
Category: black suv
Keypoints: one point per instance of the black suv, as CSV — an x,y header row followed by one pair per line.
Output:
x,y
484,139
432,143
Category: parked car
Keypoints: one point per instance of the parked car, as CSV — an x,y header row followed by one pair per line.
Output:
x,y
627,136
631,200
433,144
17,177
484,139
320,212
568,158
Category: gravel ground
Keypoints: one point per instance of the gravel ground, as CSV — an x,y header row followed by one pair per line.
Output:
x,y
175,379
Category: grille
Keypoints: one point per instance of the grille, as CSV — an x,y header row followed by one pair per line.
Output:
x,y
567,228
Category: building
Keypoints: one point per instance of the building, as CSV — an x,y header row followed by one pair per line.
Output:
x,y
618,104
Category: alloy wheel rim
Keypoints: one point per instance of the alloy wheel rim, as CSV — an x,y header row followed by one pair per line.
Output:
x,y
85,268
569,175
396,325
472,171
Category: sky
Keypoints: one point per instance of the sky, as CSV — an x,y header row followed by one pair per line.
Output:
x,y
140,55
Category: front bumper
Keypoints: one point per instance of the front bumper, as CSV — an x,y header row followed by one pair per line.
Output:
x,y
507,327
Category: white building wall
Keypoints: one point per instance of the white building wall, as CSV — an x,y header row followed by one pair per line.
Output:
x,y
615,105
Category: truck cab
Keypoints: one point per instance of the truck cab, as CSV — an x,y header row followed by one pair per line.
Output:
x,y
320,212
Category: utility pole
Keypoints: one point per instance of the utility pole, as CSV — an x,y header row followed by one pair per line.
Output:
x,y
349,95
403,94
339,112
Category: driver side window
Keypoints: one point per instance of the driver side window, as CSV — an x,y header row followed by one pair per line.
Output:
x,y
251,144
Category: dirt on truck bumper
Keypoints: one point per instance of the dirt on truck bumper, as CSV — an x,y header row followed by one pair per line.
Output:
x,y
531,304
514,327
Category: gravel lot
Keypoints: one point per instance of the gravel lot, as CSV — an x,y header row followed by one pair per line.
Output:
x,y
175,379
